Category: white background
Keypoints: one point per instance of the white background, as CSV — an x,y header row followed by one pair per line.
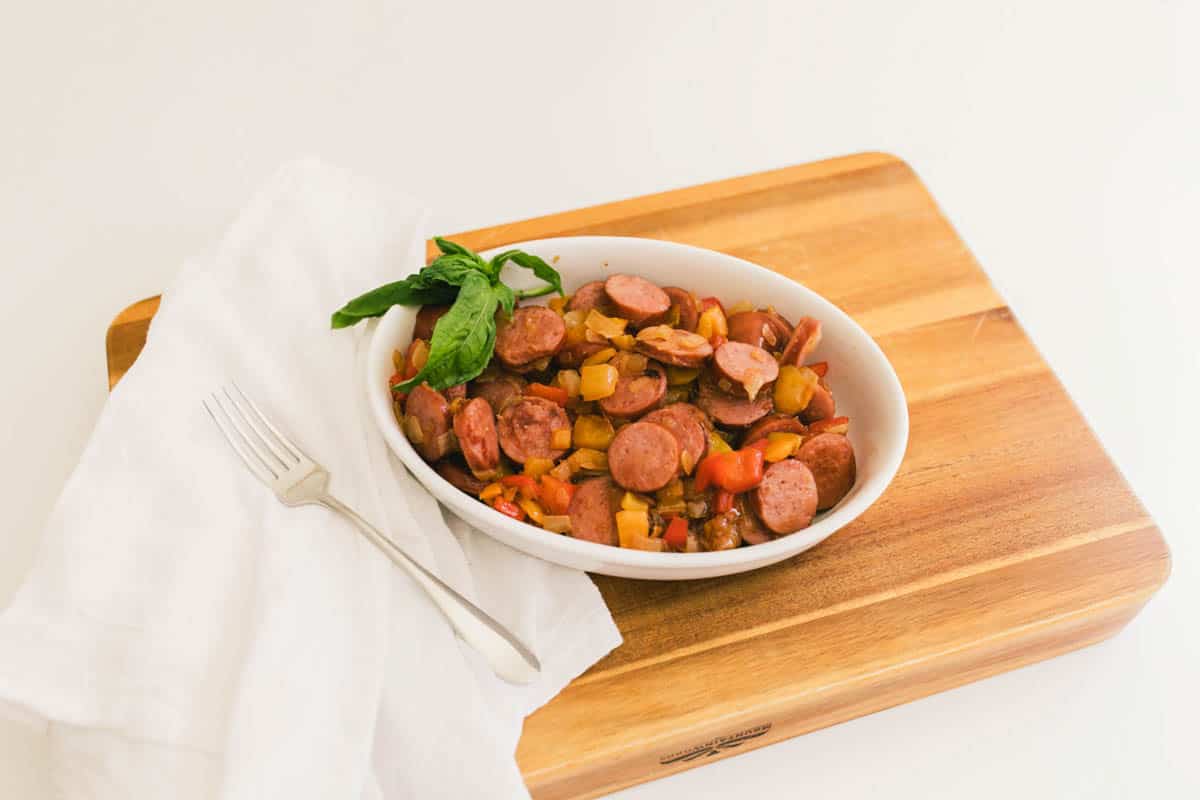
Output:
x,y
1061,138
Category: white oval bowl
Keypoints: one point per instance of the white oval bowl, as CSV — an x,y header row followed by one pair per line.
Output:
x,y
863,381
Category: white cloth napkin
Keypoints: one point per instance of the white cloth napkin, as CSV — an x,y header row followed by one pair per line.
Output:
x,y
183,634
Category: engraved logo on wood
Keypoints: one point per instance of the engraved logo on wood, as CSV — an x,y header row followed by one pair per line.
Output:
x,y
714,746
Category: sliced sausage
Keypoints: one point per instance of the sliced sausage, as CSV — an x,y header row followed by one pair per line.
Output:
x,y
500,391
804,340
593,510
635,395
786,500
429,410
533,333
687,424
776,423
759,328
747,365
475,428
590,295
683,308
820,407
427,317
571,356
527,427
455,392
643,457
736,411
751,529
460,477
674,346
830,458
636,299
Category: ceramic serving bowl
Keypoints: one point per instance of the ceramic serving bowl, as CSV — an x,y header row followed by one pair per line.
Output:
x,y
860,376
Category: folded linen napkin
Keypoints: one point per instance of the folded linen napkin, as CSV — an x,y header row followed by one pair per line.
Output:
x,y
183,634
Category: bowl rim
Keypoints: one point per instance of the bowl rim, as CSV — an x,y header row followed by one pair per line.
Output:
x,y
844,513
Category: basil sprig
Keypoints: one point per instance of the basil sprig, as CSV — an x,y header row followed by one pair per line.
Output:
x,y
463,339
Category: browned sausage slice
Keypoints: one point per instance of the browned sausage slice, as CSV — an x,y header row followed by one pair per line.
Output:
x,y
786,500
830,458
685,304
747,365
533,333
643,457
571,356
820,407
527,428
592,510
429,412
751,529
759,328
500,391
730,410
635,298
459,477
805,339
635,395
475,427
674,346
687,424
776,423
590,295
427,317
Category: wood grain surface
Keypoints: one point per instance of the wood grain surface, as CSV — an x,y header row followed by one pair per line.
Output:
x,y
1007,537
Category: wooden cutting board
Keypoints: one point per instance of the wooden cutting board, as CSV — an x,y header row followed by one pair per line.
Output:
x,y
1007,537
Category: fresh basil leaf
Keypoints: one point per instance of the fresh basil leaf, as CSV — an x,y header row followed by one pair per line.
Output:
x,y
540,268
408,292
463,339
434,284
452,248
506,298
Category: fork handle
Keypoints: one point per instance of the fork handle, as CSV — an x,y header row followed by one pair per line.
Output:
x,y
508,656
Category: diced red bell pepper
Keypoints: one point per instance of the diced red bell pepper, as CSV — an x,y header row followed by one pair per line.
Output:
x,y
525,484
708,302
759,444
509,508
821,367
676,533
555,394
556,494
737,471
722,501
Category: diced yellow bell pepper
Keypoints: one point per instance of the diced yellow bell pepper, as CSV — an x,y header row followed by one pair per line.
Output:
x,y
537,467
599,357
559,304
712,323
568,379
589,459
533,508
632,525
781,446
681,376
607,327
718,445
490,491
594,431
561,439
556,523
598,381
625,341
632,502
794,389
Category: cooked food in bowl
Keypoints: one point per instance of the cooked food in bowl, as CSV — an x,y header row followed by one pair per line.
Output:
x,y
630,415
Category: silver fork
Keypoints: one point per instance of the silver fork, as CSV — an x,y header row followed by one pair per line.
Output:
x,y
298,480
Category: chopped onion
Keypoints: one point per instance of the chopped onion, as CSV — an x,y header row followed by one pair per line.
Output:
x,y
557,523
